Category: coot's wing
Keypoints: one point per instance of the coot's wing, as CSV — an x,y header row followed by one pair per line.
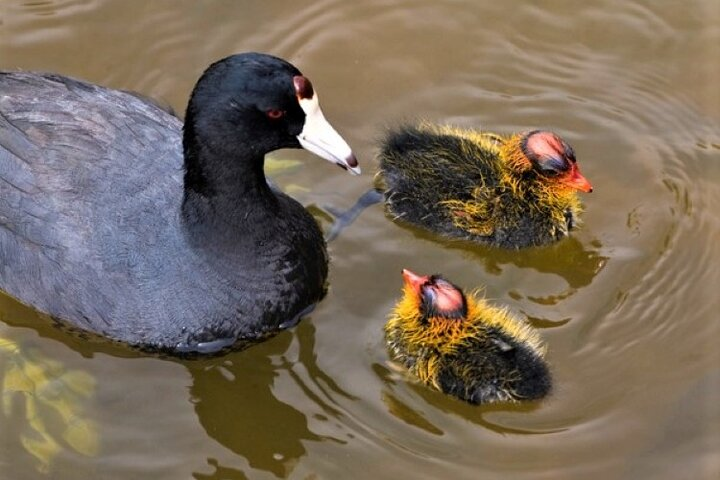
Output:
x,y
88,176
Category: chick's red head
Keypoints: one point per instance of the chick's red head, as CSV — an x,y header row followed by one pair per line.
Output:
x,y
554,159
437,298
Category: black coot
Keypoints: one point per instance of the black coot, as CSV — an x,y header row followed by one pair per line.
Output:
x,y
118,220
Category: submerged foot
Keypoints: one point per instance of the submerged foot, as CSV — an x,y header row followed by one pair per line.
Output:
x,y
343,219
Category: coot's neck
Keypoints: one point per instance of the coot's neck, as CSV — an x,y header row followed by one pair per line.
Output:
x,y
224,186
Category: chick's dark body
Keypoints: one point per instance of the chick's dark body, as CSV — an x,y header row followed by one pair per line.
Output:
x,y
463,346
485,368
483,372
456,185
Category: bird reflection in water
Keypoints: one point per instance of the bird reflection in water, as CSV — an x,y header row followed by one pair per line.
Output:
x,y
235,402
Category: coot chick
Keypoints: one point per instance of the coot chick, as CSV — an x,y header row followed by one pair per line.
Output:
x,y
511,192
464,347
119,220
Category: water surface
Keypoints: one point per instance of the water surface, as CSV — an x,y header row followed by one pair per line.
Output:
x,y
628,306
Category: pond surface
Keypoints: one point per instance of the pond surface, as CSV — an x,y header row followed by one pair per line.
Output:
x,y
628,306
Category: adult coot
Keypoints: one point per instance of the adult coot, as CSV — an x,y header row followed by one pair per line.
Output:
x,y
512,192
464,347
117,219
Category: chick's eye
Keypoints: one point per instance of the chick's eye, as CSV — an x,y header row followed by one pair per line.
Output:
x,y
428,293
275,114
553,166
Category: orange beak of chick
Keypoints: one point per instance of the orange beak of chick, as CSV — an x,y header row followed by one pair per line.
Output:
x,y
575,180
414,281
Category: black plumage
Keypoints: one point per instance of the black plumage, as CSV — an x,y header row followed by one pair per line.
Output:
x,y
116,222
463,346
511,192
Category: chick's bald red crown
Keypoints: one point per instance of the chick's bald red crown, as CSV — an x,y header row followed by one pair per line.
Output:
x,y
555,158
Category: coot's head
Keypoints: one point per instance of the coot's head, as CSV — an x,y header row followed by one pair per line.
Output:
x,y
251,104
554,160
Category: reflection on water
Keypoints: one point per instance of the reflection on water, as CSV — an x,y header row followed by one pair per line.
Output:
x,y
474,413
236,405
52,400
271,437
220,472
576,263
627,305
233,397
568,258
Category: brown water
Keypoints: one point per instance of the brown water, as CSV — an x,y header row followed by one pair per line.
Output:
x,y
628,306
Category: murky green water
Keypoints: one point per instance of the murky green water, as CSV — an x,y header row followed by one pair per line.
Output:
x,y
628,306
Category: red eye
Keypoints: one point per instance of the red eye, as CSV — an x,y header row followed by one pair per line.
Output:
x,y
275,114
